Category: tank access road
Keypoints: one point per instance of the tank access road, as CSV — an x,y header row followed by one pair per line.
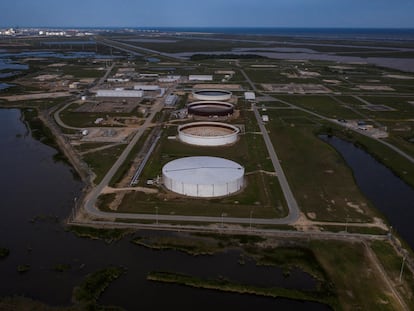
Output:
x,y
293,209
91,197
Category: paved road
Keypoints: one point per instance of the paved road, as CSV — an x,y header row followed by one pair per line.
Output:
x,y
132,49
91,198
345,236
293,208
292,217
294,211
399,151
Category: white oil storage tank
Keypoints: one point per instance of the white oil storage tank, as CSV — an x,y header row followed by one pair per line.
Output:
x,y
203,176
208,133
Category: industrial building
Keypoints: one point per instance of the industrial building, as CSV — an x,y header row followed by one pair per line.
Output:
x,y
146,87
169,79
148,75
203,176
200,78
249,96
208,133
171,100
118,80
119,92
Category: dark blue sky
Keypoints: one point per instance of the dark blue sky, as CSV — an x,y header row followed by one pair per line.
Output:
x,y
213,13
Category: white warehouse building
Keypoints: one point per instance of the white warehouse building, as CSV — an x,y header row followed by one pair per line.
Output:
x,y
119,93
249,96
146,87
200,78
203,176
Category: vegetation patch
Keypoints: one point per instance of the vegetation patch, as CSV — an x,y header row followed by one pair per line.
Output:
x,y
23,268
392,264
359,285
100,162
223,284
322,183
42,133
187,245
89,291
104,200
129,160
108,235
4,252
61,267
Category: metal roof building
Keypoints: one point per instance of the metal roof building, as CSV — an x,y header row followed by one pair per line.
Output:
x,y
200,78
146,87
119,93
249,96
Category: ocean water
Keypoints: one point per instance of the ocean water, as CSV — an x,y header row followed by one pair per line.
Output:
x,y
344,33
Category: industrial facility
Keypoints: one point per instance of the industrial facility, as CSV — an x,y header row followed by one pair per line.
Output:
x,y
203,176
210,108
200,78
208,133
212,94
119,92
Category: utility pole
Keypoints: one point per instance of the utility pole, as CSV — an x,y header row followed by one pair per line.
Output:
x,y
402,268
346,224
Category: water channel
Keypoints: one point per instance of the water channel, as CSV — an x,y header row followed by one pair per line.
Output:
x,y
387,192
37,194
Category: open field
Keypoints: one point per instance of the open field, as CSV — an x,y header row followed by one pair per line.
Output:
x,y
323,186
100,162
343,262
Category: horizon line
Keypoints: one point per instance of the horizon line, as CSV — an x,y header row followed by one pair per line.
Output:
x,y
216,27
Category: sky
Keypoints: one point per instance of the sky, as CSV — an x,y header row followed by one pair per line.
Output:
x,y
208,13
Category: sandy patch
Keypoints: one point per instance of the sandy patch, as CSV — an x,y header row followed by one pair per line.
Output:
x,y
108,134
298,88
355,207
401,77
331,81
45,77
375,88
304,224
57,65
35,96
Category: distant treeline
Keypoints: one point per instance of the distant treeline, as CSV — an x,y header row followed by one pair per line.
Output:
x,y
197,57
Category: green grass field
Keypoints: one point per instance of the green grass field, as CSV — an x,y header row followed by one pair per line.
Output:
x,y
322,183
